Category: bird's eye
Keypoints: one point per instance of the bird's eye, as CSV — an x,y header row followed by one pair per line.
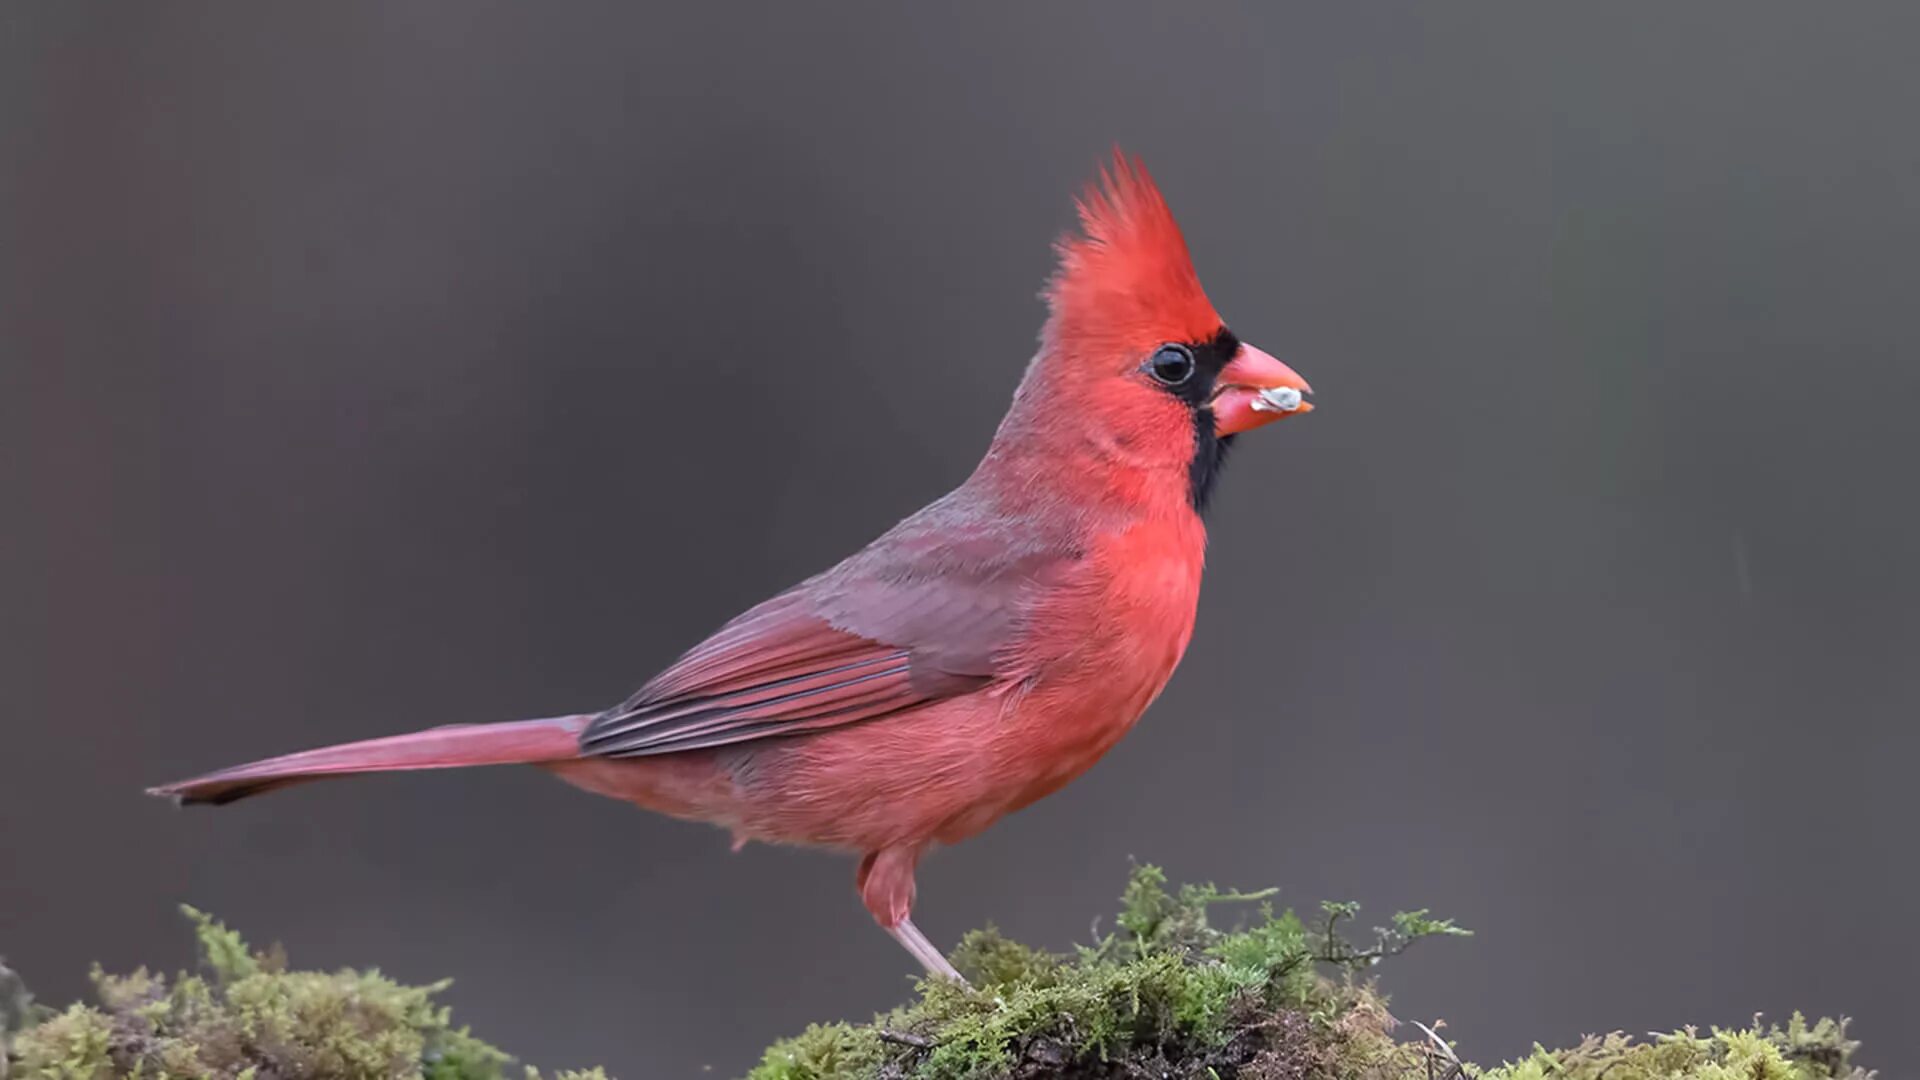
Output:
x,y
1171,365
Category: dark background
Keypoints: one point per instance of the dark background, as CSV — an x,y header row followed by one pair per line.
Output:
x,y
372,366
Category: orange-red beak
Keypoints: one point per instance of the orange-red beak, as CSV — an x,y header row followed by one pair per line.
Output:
x,y
1254,389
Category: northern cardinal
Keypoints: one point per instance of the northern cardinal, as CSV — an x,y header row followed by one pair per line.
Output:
x,y
980,654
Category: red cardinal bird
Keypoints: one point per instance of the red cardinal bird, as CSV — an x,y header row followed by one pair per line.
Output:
x,y
982,653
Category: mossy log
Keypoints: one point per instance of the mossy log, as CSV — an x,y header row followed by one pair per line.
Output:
x,y
1167,994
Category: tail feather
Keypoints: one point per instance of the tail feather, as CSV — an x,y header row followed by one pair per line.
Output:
x,y
451,747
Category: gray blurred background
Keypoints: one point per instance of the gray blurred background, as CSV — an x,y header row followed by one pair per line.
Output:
x,y
368,366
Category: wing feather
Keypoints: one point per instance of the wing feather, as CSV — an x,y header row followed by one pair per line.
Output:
x,y
923,614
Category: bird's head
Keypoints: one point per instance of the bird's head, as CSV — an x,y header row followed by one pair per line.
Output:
x,y
1135,349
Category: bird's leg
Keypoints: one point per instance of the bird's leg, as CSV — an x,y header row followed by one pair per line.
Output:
x,y
885,880
930,958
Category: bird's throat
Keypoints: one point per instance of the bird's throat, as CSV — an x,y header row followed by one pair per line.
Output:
x,y
1209,458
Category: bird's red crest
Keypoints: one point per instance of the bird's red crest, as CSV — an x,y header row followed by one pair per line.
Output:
x,y
1126,283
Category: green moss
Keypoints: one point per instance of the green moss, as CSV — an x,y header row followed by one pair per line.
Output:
x,y
249,1018
1799,1051
1167,994
1170,994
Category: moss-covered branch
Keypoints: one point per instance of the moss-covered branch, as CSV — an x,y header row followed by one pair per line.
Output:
x,y
1166,994
247,1018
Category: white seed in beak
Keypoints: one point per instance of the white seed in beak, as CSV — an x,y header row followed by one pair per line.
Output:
x,y
1276,399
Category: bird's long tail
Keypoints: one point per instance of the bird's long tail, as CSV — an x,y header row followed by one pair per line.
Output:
x,y
517,743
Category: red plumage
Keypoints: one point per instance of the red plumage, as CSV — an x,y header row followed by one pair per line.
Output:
x,y
1126,282
976,657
